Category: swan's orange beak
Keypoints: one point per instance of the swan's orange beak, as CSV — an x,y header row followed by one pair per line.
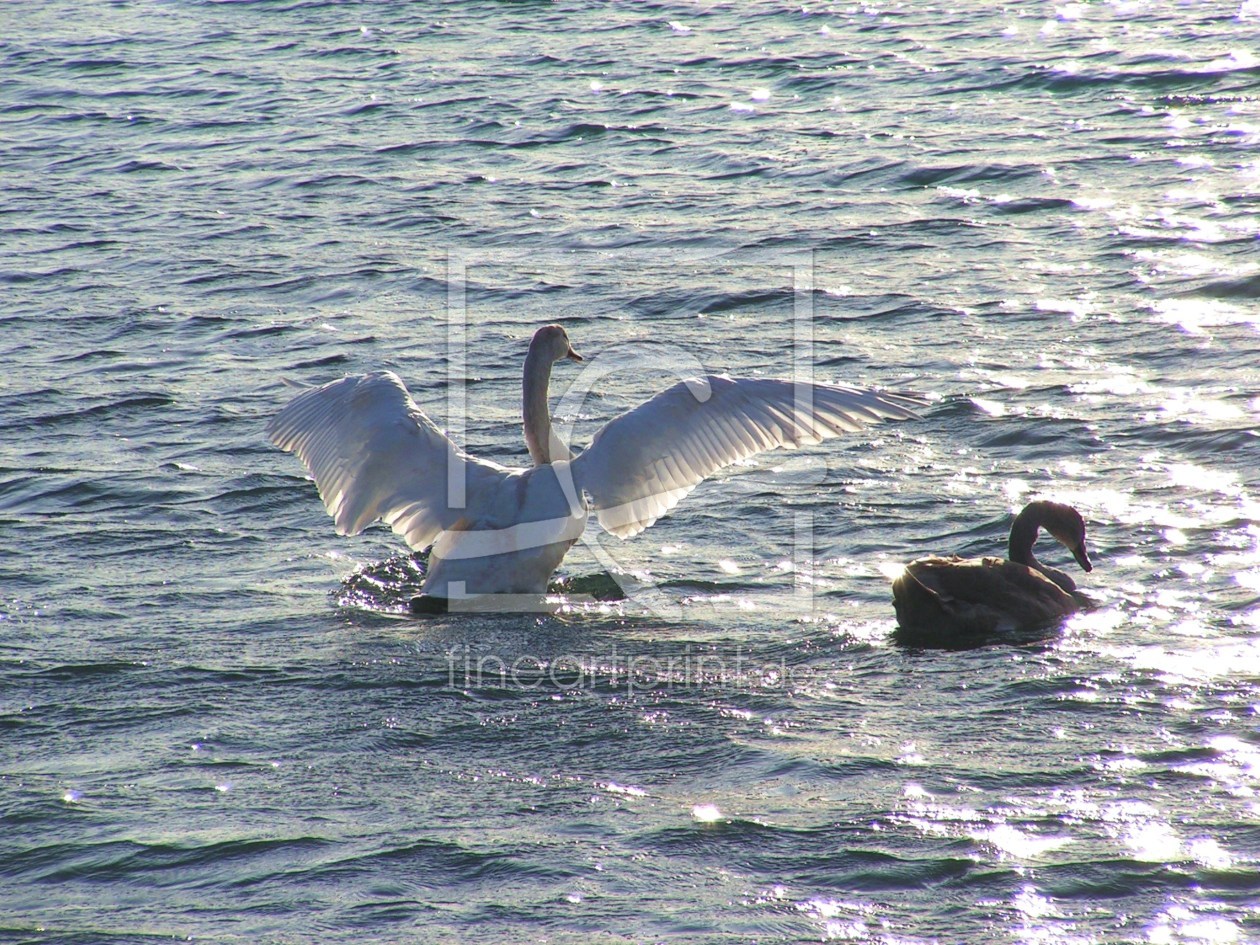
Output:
x,y
1082,556
573,355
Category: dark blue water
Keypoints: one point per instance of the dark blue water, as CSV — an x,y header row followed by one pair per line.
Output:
x,y
217,721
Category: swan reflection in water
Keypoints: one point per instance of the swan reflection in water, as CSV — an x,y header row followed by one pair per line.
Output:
x,y
497,530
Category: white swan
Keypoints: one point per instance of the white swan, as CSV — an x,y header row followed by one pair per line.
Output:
x,y
497,530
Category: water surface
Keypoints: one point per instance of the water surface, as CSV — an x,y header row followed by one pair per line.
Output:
x,y
216,720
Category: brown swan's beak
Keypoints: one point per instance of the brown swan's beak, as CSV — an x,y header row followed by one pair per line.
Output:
x,y
573,355
1082,556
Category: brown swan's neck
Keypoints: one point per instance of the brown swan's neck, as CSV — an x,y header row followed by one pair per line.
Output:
x,y
1024,531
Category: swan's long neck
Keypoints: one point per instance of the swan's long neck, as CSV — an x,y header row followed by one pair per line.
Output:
x,y
1023,536
1060,521
544,446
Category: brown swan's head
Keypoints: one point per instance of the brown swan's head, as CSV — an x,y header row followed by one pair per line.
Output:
x,y
1066,525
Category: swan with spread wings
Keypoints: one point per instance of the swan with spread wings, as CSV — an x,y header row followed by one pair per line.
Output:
x,y
492,529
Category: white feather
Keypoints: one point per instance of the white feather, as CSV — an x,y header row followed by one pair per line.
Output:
x,y
375,455
643,463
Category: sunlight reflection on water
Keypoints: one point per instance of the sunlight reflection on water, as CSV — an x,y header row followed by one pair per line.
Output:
x,y
1213,660
1180,924
1044,215
1196,316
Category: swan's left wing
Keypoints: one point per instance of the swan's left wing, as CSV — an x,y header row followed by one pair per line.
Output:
x,y
642,463
375,455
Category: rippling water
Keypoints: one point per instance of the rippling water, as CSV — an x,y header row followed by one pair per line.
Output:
x,y
216,720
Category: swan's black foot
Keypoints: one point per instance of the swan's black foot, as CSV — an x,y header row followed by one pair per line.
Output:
x,y
428,604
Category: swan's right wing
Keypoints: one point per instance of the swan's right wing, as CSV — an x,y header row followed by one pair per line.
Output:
x,y
644,462
375,455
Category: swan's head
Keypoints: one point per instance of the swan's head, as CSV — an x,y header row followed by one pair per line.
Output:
x,y
1067,526
552,344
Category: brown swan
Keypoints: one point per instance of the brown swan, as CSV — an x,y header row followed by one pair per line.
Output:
x,y
950,596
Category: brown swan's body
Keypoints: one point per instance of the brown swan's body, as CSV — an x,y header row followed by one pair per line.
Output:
x,y
949,596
